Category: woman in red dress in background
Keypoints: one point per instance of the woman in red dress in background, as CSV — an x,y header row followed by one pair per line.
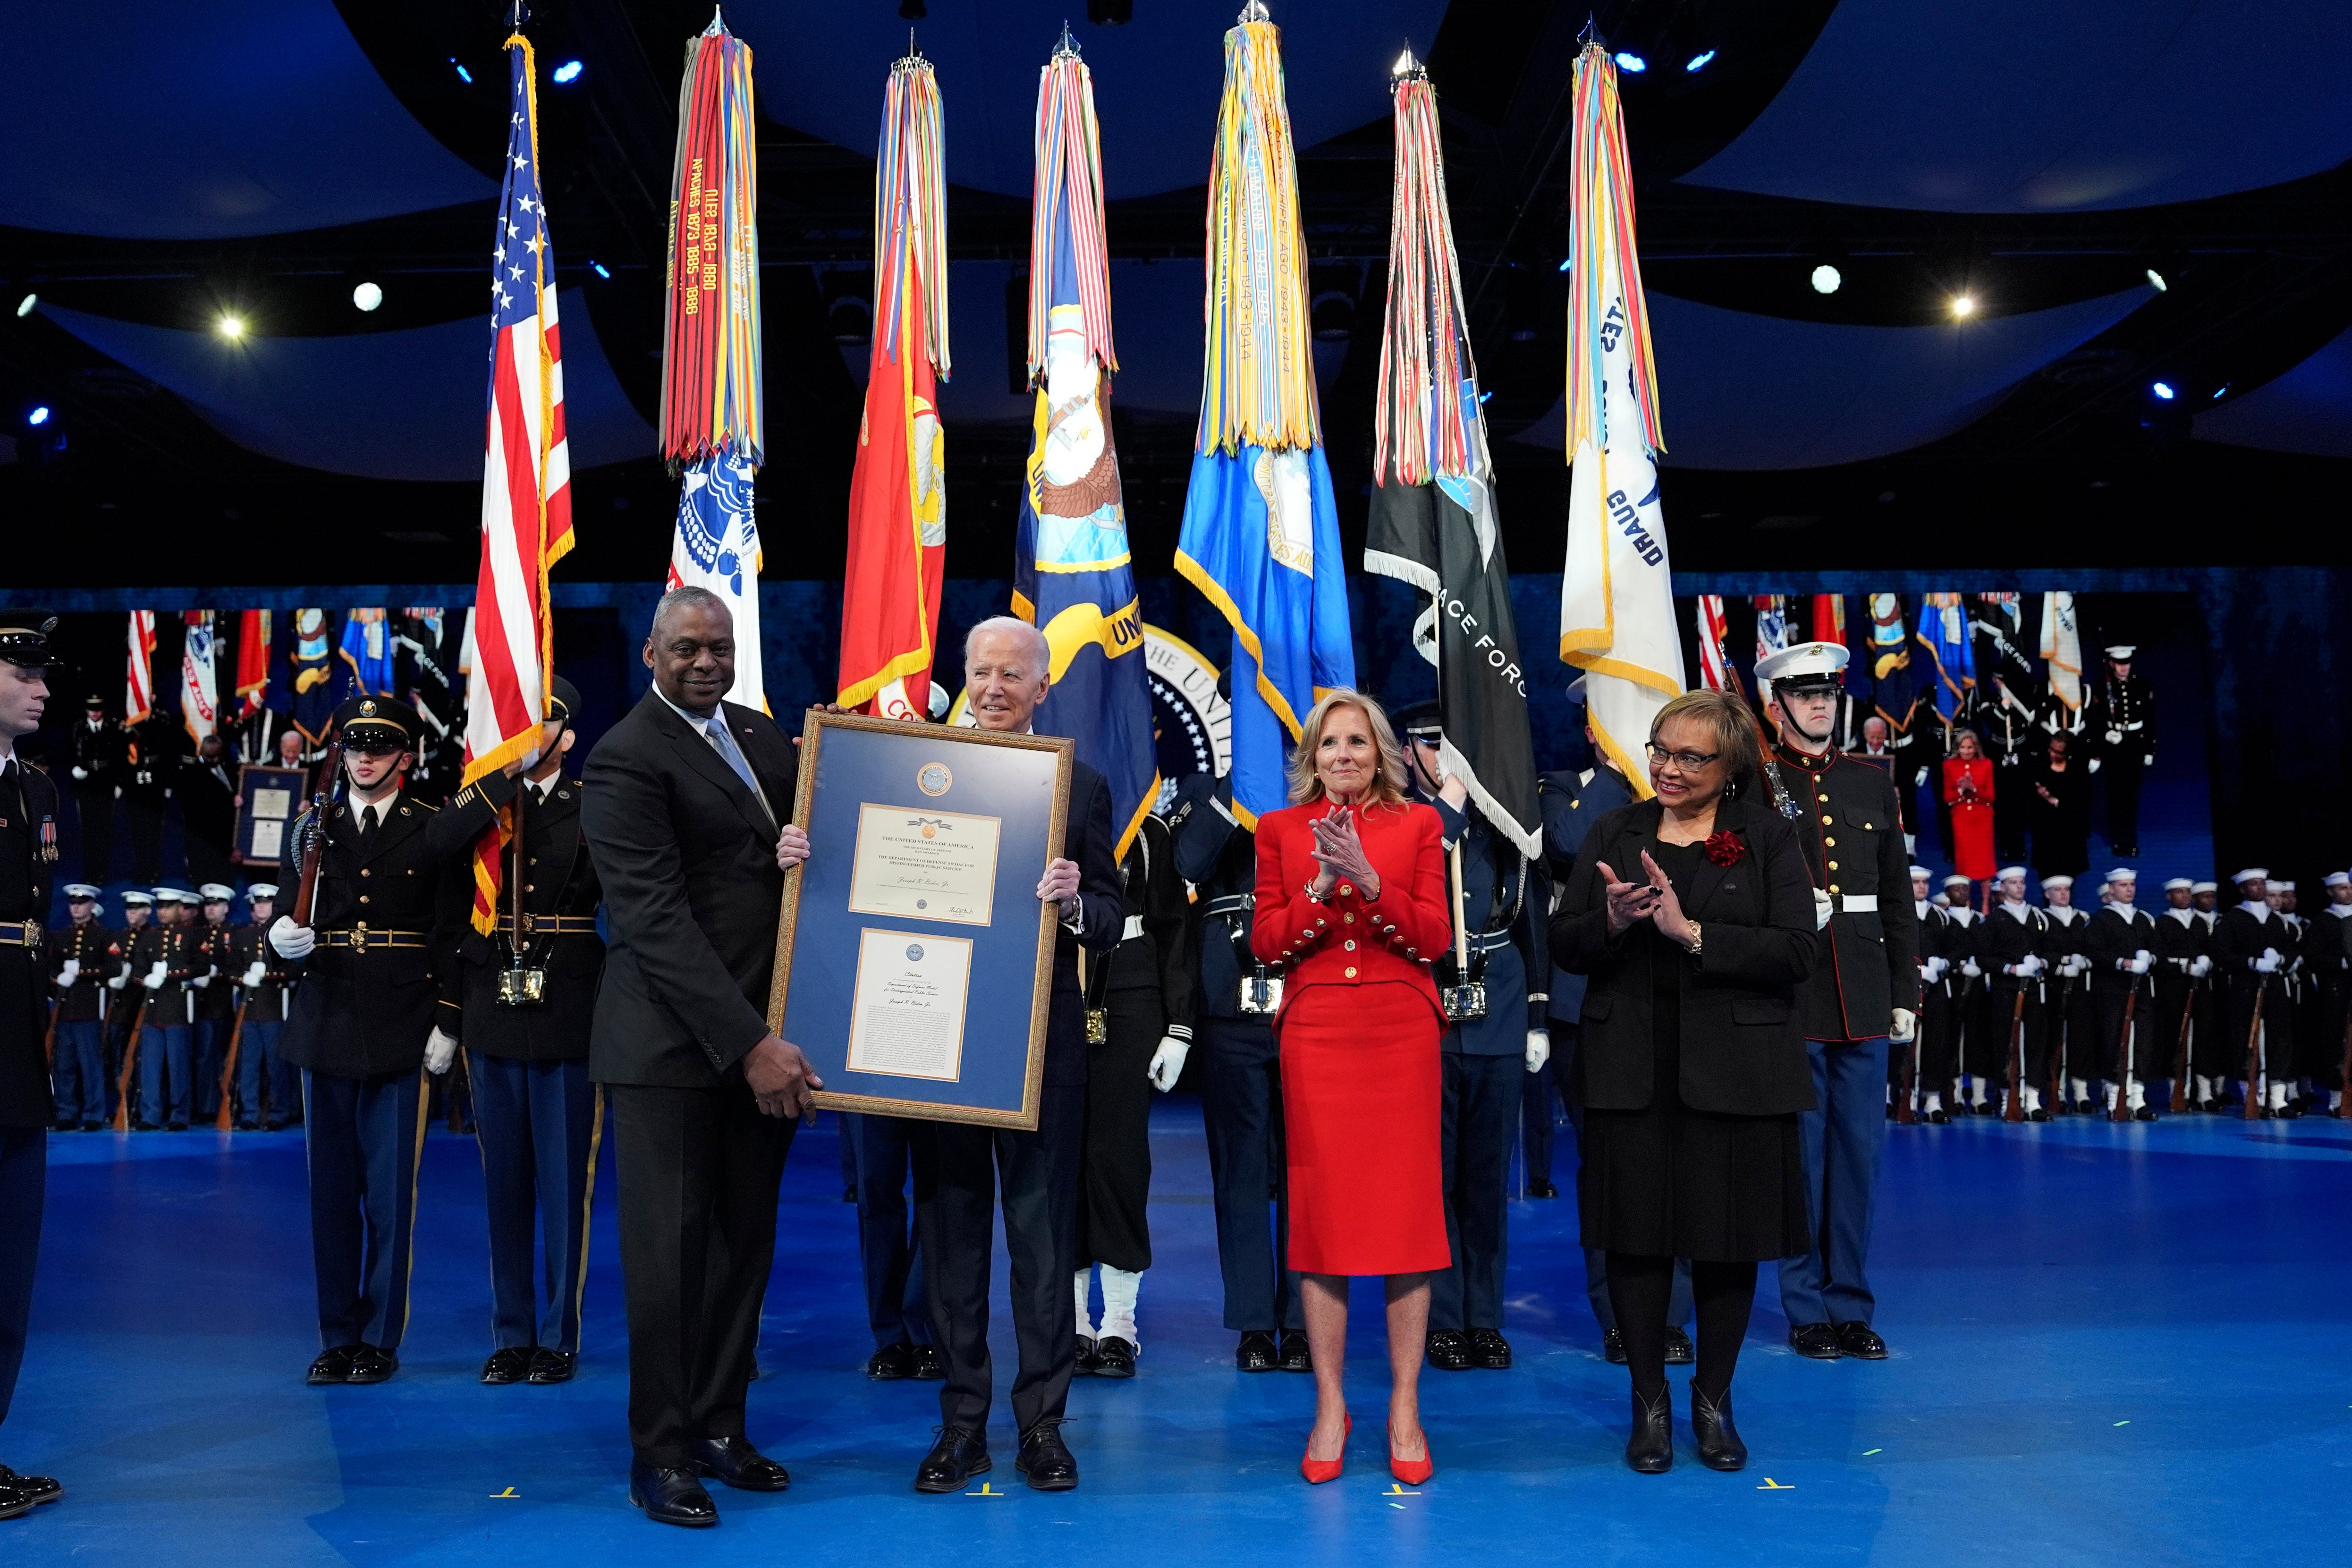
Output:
x,y
1968,790
1351,902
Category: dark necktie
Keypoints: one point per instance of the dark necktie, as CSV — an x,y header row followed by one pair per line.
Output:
x,y
367,827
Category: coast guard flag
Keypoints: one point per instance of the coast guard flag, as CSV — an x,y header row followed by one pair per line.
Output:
x,y
2062,649
1944,633
1072,576
199,681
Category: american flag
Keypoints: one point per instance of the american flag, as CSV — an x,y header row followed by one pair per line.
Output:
x,y
139,698
526,480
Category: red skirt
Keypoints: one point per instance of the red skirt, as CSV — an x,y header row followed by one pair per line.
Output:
x,y
1363,1088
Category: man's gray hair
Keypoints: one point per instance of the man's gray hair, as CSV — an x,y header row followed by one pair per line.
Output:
x,y
1039,649
679,599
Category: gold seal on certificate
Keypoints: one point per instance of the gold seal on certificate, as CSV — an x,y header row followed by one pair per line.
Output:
x,y
924,865
907,1016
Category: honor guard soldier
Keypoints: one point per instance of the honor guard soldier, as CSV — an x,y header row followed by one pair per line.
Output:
x,y
2253,946
269,1090
1976,1056
102,760
2183,993
529,995
1865,998
174,967
2014,947
2075,1053
376,1001
1941,939
2121,947
82,958
215,1009
29,861
2327,959
2122,724
1241,1079
157,745
1138,1032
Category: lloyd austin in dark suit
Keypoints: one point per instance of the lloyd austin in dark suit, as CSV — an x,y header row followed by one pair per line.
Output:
x,y
685,813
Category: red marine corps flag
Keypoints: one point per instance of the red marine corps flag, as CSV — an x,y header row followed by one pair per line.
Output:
x,y
526,483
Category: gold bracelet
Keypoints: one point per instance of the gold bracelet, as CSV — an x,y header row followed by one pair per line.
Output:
x,y
1696,941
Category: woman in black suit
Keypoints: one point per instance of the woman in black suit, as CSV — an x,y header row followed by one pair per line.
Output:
x,y
1695,920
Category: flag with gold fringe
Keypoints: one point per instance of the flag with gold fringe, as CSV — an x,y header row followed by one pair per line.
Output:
x,y
1261,531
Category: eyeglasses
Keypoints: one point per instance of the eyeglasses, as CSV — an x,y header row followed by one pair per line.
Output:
x,y
1690,762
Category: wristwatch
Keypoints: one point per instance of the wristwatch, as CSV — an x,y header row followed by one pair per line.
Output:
x,y
1696,942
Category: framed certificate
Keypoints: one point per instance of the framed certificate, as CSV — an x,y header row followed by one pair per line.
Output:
x,y
914,962
272,798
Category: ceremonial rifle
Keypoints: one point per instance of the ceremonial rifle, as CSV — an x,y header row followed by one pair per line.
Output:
x,y
2180,1050
2122,1112
223,1121
129,1055
49,1040
314,831
2344,1078
2064,1046
2254,1053
2015,1110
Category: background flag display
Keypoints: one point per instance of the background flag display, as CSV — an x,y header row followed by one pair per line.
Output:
x,y
1617,597
1944,633
526,484
897,493
199,677
1715,669
2062,650
1433,520
1771,624
138,693
1261,531
307,695
252,660
1895,695
1071,573
365,659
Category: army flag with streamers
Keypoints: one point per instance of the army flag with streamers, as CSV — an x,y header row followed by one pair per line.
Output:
x,y
199,676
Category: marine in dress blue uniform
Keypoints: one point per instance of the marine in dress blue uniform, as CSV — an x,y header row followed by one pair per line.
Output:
x,y
216,1000
174,965
377,1003
1857,1005
81,957
269,1090
1505,905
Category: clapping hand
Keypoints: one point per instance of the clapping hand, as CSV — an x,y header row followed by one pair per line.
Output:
x,y
1667,913
1342,855
1629,902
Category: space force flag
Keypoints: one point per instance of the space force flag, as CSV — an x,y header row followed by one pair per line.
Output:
x,y
1617,596
1072,576
1261,532
1432,521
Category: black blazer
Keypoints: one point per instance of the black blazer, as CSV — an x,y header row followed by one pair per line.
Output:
x,y
687,860
1743,1035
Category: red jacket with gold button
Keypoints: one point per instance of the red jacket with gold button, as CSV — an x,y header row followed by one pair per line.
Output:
x,y
1348,939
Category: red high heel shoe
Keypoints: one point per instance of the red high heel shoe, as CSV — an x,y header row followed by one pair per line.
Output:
x,y
1411,1472
1318,1471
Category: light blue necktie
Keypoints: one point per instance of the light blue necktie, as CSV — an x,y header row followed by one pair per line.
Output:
x,y
724,744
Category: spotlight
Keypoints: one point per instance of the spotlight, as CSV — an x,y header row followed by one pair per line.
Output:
x,y
230,327
568,71
463,74
1826,278
1484,395
2163,391
599,268
1698,62
2220,390
25,306
1634,63
1568,264
2156,280
39,416
367,296
1964,306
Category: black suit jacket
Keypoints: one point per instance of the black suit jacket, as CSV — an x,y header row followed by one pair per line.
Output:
x,y
1743,1035
687,857
1086,838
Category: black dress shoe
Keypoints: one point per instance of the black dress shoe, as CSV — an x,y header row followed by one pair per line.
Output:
x,y
1449,1350
1489,1350
15,1504
1719,1447
1613,1347
2037,1114
370,1365
511,1365
2288,1111
2206,1107
930,1366
1046,1460
1085,1365
1115,1357
553,1367
1678,1348
246,1127
37,1490
93,1126
332,1366
2085,1107
1939,1117
670,1496
1986,1108
1296,1355
849,1194
1651,1448
2144,1113
1256,1351
735,1462
957,1456
1858,1341
891,1363
1817,1340
1542,1189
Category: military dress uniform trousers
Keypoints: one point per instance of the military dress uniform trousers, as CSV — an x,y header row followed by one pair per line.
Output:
x,y
1840,1144
1481,1112
268,1088
539,1125
365,1136
23,1180
886,1148
1115,1169
78,1077
167,1052
208,1043
1241,1111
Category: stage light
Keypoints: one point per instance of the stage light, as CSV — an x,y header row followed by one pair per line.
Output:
x,y
2156,280
230,327
367,296
598,269
568,71
2220,390
39,416
1826,278
1484,395
1697,62
1568,264
1963,306
25,306
463,74
1634,63
2163,391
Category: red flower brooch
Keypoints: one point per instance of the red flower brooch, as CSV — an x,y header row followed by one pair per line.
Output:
x,y
1725,849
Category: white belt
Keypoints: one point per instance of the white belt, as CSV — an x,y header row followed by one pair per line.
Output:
x,y
1858,903
1134,929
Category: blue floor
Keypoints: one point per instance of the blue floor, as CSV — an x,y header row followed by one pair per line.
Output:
x,y
2111,1345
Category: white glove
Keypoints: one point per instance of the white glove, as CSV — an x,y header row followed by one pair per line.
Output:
x,y
2149,761
2030,965
291,940
1939,967
440,1050
80,772
2268,962
1971,968
116,984
253,974
2094,764
1906,1024
1167,1063
2142,962
1539,1049
1824,907
154,981
201,980
69,972
2115,737
2202,966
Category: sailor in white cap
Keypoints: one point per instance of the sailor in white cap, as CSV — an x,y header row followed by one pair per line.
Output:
x,y
2328,958
1863,997
80,957
2121,946
1943,941
2016,955
269,1087
2294,980
1973,1057
2253,946
2183,998
2123,727
2071,1026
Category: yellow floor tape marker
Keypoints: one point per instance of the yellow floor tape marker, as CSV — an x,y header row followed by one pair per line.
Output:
x,y
1396,1489
987,1491
508,1493
1772,1486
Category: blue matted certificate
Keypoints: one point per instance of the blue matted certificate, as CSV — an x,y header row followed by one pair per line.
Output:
x,y
914,960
